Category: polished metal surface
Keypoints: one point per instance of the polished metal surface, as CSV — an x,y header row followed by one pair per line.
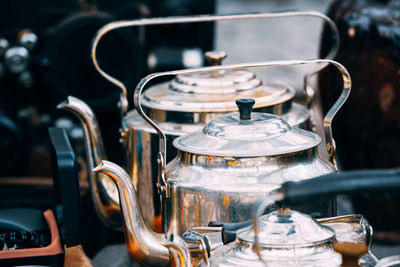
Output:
x,y
287,238
262,135
143,244
136,140
103,190
280,103
353,228
204,93
162,184
284,227
391,261
196,19
208,188
179,251
280,238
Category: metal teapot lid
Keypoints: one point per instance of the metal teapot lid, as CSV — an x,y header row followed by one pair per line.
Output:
x,y
286,238
214,91
287,228
247,134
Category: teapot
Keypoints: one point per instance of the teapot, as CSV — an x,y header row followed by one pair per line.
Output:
x,y
288,238
165,103
238,158
288,232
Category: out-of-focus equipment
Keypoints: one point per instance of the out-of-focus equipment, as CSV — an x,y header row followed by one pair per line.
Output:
x,y
30,237
45,57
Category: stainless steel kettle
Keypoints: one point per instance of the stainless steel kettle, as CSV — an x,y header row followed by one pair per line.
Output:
x,y
288,238
217,180
237,158
284,236
140,140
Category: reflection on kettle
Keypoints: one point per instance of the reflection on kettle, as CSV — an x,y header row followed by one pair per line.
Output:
x,y
283,236
183,105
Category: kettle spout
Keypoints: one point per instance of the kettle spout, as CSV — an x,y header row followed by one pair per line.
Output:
x,y
103,190
143,244
179,251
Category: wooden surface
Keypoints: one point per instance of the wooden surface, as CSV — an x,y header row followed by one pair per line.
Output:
x,y
75,256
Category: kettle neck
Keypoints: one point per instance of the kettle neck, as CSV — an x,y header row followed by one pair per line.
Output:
x,y
143,244
103,190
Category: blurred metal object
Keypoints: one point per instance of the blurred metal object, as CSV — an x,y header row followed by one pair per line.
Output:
x,y
167,58
25,79
4,45
391,261
16,59
103,190
143,244
28,39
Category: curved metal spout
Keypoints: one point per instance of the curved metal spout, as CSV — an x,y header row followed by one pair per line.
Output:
x,y
143,244
103,190
179,251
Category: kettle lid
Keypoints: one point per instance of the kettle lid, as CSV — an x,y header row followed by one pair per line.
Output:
x,y
288,228
215,91
286,238
247,134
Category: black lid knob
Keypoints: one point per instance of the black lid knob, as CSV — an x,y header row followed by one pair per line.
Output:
x,y
245,106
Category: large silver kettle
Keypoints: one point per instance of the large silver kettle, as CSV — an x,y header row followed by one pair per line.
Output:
x,y
237,158
140,140
218,180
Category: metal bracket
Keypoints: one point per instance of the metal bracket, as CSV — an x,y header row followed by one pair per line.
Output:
x,y
123,103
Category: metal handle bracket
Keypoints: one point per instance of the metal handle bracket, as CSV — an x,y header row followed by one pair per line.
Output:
x,y
327,120
123,104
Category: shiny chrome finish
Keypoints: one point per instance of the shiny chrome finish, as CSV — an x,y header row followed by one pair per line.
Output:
x,y
104,192
196,19
353,228
327,120
143,244
134,137
179,251
208,188
141,161
391,261
289,238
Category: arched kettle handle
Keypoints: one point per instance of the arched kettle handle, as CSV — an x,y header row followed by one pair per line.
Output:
x,y
196,19
163,185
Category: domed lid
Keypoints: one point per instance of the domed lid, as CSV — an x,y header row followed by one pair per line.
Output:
x,y
286,238
287,228
246,134
214,91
